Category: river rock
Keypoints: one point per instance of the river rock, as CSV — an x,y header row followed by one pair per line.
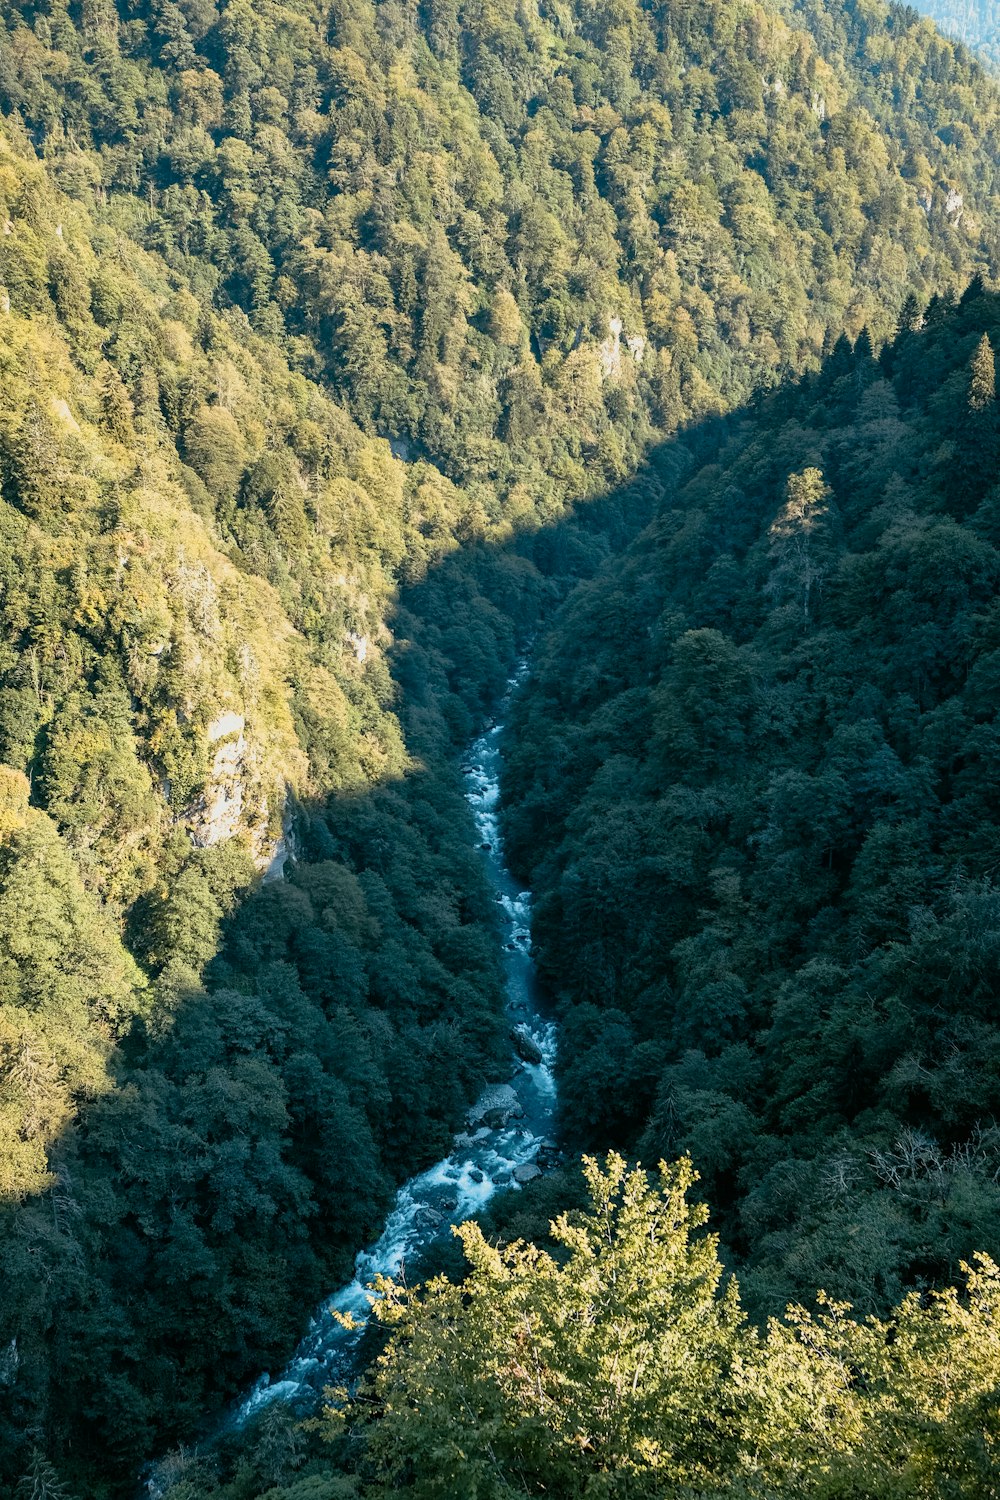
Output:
x,y
427,1218
497,1104
525,1047
526,1172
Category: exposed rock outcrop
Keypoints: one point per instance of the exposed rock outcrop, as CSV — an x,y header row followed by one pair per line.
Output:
x,y
218,814
609,353
526,1048
496,1105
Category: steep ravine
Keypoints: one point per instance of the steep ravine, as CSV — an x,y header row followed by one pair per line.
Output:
x,y
507,1141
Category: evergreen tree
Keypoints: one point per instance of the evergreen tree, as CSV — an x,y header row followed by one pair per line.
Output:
x,y
41,1482
982,376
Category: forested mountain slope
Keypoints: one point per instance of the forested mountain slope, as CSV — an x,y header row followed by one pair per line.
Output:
x,y
241,248
405,197
753,784
975,22
184,1168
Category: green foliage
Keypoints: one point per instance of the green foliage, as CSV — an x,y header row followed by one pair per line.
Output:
x,y
314,327
192,1155
749,786
624,1367
983,376
69,990
730,189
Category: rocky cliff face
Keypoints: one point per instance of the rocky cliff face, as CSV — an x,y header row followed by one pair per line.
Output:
x,y
218,813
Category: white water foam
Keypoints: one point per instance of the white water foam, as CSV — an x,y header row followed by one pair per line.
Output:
x,y
483,1158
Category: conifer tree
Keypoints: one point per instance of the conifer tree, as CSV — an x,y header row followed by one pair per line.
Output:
x,y
116,407
41,1482
983,377
911,318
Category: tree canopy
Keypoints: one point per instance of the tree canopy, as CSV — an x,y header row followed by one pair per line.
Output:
x,y
619,1363
750,784
332,343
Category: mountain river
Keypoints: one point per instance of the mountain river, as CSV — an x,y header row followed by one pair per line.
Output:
x,y
506,1140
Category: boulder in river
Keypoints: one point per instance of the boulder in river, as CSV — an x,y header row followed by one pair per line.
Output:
x,y
526,1048
427,1218
497,1104
526,1172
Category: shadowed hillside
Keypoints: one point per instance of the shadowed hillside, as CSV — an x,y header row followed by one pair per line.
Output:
x,y
751,783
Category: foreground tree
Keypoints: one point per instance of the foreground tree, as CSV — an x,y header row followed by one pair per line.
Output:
x,y
545,1375
623,1366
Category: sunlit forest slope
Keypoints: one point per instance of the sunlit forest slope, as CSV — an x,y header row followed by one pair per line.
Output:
x,y
974,22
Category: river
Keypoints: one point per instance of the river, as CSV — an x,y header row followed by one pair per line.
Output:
x,y
508,1130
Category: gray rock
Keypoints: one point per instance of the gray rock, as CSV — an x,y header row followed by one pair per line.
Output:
x,y
427,1218
527,1049
496,1119
526,1172
497,1104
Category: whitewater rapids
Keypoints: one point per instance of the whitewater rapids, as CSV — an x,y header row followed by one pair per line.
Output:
x,y
483,1158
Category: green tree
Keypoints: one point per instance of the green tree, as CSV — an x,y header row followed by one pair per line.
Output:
x,y
552,1375
625,1367
982,376
800,540
214,447
41,1482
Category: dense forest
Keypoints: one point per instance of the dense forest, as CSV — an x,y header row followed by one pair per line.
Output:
x,y
975,22
617,1361
337,347
753,783
751,780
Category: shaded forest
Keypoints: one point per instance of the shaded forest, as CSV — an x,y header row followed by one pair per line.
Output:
x,y
752,783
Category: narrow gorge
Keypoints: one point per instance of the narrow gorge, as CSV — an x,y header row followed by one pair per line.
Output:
x,y
508,1141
